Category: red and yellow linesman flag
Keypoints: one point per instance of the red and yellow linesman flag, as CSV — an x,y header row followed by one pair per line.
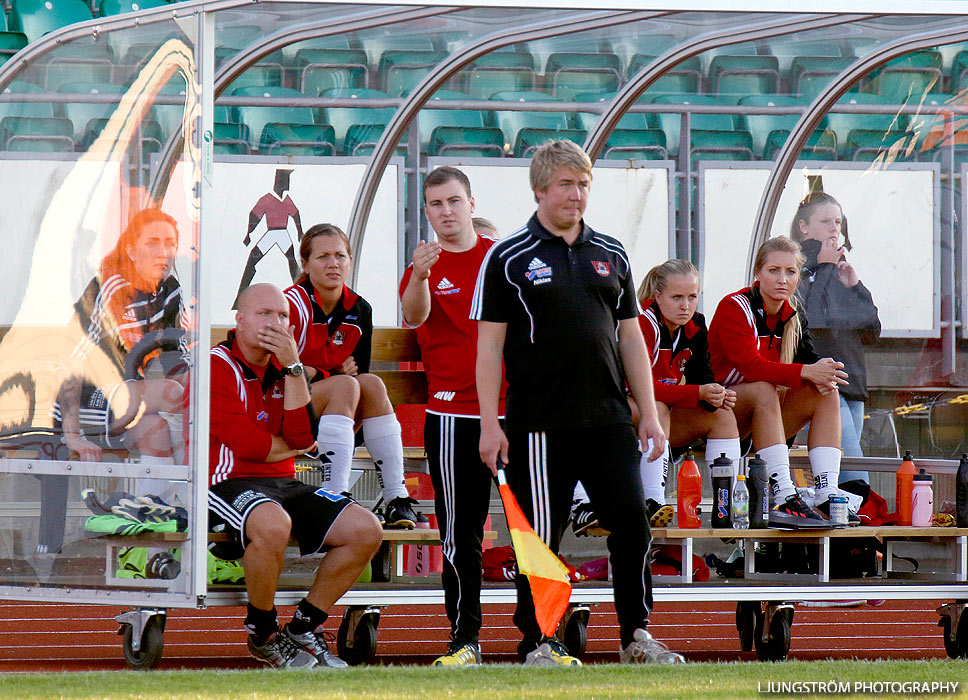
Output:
x,y
550,587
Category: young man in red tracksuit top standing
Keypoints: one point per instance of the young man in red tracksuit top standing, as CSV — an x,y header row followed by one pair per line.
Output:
x,y
436,292
259,423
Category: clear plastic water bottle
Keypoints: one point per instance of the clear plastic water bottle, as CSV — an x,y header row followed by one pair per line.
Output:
x,y
741,504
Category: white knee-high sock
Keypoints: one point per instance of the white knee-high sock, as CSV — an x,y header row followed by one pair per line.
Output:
x,y
381,434
825,464
777,458
336,440
727,446
654,474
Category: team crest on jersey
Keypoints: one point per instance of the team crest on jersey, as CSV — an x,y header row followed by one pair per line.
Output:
x,y
601,267
338,338
445,286
276,392
538,272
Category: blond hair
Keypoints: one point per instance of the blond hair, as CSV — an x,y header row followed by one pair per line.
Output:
x,y
551,156
792,328
657,278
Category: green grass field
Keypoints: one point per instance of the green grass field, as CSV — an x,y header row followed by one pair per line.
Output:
x,y
707,681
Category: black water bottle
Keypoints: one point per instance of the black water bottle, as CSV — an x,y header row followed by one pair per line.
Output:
x,y
759,485
721,471
961,492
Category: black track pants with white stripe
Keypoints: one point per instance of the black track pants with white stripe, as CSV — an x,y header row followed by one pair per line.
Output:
x,y
542,470
462,494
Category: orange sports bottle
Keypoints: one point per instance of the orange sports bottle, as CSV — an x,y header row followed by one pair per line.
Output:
x,y
904,493
689,488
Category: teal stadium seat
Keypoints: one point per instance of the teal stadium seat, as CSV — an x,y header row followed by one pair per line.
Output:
x,y
744,75
37,134
512,122
466,142
257,117
811,74
842,124
34,18
430,119
322,69
151,135
822,145
529,140
343,119
792,46
761,126
10,43
868,144
231,139
24,109
361,140
81,113
267,72
629,120
79,64
909,77
959,72
401,71
334,41
686,77
627,45
721,145
298,140
107,8
378,43
496,72
669,122
635,144
570,74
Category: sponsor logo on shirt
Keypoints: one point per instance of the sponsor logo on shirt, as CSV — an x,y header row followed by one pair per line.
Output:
x,y
129,315
601,267
538,272
444,395
262,416
445,286
668,380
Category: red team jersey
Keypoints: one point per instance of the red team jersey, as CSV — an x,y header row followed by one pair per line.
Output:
x,y
674,356
250,411
744,342
324,342
448,338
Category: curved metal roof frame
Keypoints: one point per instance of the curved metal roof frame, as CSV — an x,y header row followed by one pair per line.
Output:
x,y
633,89
95,26
440,74
239,63
787,156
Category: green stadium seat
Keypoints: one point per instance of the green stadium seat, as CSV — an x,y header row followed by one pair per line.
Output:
x,y
400,71
822,145
377,44
569,74
627,45
170,117
811,74
868,144
931,127
497,71
761,126
268,72
79,64
512,122
529,140
151,135
467,142
721,145
10,43
34,18
236,36
231,139
669,122
629,120
24,109
909,77
789,47
81,113
322,69
747,75
959,72
334,41
298,140
41,134
343,118
107,8
686,77
842,124
430,119
635,144
361,140
257,117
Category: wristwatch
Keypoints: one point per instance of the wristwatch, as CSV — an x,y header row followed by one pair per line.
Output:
x,y
295,369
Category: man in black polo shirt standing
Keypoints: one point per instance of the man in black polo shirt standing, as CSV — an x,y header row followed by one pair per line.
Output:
x,y
556,300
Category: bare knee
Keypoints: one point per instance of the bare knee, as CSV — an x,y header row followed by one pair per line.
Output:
x,y
723,423
371,386
269,526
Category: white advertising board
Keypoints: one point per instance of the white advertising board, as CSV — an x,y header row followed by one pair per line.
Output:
x,y
892,225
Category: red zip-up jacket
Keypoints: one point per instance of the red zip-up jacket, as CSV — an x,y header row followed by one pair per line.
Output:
x,y
674,356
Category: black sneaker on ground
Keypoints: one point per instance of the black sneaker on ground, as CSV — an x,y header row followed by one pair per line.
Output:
x,y
399,514
852,518
584,521
281,651
795,514
659,515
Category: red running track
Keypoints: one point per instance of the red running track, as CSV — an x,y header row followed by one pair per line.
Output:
x,y
57,637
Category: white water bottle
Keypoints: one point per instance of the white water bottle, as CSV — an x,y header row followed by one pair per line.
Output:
x,y
923,500
740,504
